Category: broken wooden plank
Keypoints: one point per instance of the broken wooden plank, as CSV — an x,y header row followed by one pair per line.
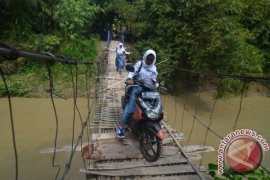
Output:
x,y
144,171
197,149
66,148
100,127
121,149
174,177
133,164
101,124
171,140
194,157
112,135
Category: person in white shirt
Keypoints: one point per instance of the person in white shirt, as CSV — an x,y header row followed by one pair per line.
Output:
x,y
143,69
120,56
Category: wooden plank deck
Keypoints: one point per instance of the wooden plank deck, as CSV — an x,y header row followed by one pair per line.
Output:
x,y
111,158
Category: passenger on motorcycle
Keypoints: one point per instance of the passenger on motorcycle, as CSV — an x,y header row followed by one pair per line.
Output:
x,y
143,69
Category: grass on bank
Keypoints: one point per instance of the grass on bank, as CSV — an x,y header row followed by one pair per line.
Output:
x,y
29,78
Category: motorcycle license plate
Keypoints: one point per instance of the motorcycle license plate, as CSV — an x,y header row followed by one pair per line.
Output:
x,y
150,95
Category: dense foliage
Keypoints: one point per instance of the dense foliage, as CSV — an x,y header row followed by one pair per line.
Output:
x,y
59,27
31,77
74,17
216,36
229,37
259,173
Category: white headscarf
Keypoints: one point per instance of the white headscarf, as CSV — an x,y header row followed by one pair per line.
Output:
x,y
120,49
147,71
150,51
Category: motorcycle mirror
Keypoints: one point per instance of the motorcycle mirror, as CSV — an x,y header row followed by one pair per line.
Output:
x,y
130,68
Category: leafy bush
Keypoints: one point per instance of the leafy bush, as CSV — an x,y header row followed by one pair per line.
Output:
x,y
32,75
81,49
213,36
16,86
73,16
259,173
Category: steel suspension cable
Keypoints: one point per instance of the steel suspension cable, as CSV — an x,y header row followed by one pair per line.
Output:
x,y
240,105
212,131
67,166
84,125
56,120
76,105
79,140
210,120
183,112
12,53
12,125
175,115
195,113
87,80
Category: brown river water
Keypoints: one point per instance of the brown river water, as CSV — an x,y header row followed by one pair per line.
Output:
x,y
254,115
35,126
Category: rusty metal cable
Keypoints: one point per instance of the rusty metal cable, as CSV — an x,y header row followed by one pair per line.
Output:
x,y
12,125
56,121
210,120
195,112
240,104
11,53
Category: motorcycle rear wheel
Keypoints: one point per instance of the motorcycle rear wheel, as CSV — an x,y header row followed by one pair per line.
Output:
x,y
151,146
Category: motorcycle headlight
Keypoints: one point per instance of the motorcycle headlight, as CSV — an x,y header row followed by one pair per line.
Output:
x,y
151,113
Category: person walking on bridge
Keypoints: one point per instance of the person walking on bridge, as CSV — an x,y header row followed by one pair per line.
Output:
x,y
120,56
143,69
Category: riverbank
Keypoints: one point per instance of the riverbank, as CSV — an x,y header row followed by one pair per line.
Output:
x,y
31,78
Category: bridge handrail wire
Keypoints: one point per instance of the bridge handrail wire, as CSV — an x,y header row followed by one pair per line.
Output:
x,y
84,125
244,78
12,54
210,120
211,130
12,125
56,120
9,53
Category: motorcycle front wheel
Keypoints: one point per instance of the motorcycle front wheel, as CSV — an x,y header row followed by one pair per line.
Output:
x,y
150,145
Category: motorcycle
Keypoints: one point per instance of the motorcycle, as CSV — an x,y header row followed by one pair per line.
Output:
x,y
145,122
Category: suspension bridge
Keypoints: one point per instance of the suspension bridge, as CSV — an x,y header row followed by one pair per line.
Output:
x,y
107,157
110,157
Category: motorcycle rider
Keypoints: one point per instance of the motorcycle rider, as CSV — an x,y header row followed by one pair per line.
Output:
x,y
143,69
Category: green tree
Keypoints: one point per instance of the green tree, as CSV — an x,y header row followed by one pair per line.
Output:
x,y
256,19
116,13
16,17
199,35
73,16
